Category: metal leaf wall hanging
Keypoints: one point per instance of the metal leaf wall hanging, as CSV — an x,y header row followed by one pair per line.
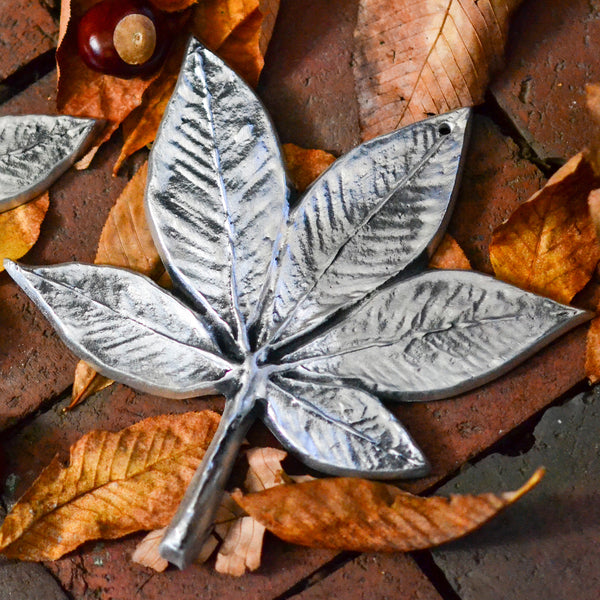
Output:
x,y
37,149
303,316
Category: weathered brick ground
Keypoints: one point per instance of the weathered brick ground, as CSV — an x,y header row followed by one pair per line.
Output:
x,y
533,115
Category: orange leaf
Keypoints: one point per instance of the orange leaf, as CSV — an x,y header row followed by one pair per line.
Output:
x,y
367,516
449,255
20,228
115,484
549,245
304,166
413,59
125,242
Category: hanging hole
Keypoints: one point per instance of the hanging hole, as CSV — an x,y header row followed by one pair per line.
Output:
x,y
444,129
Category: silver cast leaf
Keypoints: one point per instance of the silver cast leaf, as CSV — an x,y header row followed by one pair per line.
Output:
x,y
306,319
434,335
340,430
368,217
37,149
215,150
127,328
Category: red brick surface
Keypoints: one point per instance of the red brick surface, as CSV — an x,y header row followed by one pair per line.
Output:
x,y
26,31
552,54
374,576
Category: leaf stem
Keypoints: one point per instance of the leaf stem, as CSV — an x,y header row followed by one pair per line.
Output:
x,y
195,516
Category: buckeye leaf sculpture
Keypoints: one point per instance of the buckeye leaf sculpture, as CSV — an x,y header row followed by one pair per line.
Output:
x,y
303,316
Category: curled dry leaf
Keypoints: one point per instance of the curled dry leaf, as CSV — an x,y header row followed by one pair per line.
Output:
x,y
367,516
238,30
449,255
304,166
20,228
114,484
414,59
549,245
243,540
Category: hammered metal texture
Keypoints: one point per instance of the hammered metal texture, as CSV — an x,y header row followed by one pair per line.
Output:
x,y
127,327
307,317
434,335
35,150
347,427
367,218
218,154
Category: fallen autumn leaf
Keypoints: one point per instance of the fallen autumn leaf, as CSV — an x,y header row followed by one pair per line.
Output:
x,y
367,516
114,484
549,245
20,228
415,59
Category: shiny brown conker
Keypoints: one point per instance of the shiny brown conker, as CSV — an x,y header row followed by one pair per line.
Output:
x,y
126,38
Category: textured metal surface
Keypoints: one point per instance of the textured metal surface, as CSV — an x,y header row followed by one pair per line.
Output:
x,y
217,206
216,155
350,431
434,335
35,150
127,327
372,213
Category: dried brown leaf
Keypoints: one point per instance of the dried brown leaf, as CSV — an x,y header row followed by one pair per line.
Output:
x,y
173,5
115,484
413,59
146,552
83,92
449,255
20,228
140,127
304,166
367,516
549,244
86,383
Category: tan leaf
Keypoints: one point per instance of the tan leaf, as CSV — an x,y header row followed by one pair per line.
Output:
x,y
413,59
549,245
304,166
367,516
243,538
449,255
146,552
20,228
115,484
86,383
